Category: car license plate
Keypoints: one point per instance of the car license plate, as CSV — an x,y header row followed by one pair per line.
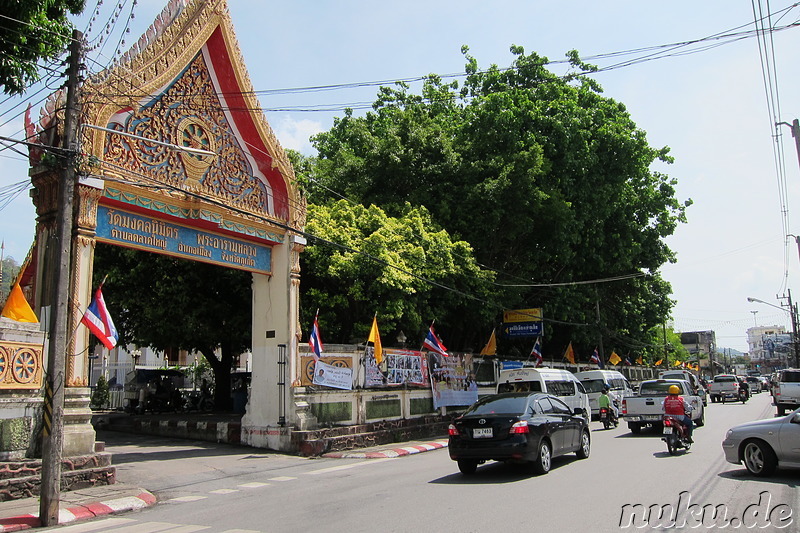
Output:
x,y
667,430
482,433
651,417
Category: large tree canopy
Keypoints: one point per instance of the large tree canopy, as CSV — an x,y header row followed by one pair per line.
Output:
x,y
169,303
30,31
549,181
364,262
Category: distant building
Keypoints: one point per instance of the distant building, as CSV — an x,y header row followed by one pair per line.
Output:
x,y
770,346
701,344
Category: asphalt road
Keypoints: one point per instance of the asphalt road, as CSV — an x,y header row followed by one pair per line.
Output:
x,y
219,488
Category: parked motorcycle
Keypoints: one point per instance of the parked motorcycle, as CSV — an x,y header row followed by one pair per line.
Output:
x,y
675,435
198,400
607,418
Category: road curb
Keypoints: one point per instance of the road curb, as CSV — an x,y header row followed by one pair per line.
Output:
x,y
389,453
81,512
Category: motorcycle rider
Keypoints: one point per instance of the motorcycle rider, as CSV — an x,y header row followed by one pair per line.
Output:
x,y
744,388
676,406
608,400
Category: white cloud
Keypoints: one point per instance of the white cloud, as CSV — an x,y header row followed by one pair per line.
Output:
x,y
294,134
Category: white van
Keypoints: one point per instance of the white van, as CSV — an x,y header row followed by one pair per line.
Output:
x,y
685,375
561,383
594,381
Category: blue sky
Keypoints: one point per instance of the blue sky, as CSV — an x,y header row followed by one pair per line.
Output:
x,y
709,107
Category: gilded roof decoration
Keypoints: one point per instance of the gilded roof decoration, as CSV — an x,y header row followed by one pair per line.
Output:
x,y
188,113
185,83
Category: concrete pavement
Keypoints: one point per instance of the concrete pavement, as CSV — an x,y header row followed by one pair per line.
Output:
x,y
17,515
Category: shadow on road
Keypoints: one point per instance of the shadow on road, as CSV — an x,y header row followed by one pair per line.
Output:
x,y
128,448
788,477
494,473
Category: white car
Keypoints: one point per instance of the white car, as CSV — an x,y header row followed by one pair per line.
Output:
x,y
764,445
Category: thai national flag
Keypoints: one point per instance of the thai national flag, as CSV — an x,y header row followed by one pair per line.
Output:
x,y
315,341
627,361
536,353
433,343
595,358
99,322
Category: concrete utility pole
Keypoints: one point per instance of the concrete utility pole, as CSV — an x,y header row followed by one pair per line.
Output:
x,y
795,125
795,345
53,422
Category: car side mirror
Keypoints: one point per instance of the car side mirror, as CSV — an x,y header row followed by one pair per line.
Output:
x,y
577,411
795,419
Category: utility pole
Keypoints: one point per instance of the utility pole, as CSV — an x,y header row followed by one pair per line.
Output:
x,y
793,314
53,422
795,126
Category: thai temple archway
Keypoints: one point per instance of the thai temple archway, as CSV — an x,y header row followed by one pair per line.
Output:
x,y
184,83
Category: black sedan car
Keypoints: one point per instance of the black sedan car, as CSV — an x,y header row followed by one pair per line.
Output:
x,y
523,427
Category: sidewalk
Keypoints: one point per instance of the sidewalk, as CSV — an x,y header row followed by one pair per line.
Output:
x,y
389,450
17,515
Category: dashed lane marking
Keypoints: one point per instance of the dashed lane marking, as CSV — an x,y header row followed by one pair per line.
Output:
x,y
346,467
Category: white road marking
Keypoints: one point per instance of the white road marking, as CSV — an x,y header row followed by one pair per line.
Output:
x,y
345,467
188,498
254,485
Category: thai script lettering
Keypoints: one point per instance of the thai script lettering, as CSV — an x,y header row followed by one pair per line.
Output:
x,y
153,227
146,240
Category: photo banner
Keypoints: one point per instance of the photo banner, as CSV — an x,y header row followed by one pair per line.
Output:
x,y
403,367
452,380
307,365
337,377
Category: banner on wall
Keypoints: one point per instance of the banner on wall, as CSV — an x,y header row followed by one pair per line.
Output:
x,y
307,365
337,377
407,367
452,380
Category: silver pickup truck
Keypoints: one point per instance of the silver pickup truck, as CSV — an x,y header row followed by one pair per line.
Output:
x,y
724,387
787,390
645,408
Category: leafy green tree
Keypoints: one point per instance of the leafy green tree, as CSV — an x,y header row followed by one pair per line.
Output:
x,y
549,181
100,395
364,262
165,302
32,30
10,270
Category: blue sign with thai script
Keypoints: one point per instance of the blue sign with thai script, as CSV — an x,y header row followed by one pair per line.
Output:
x,y
522,329
125,228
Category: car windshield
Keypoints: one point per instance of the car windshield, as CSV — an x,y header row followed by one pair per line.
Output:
x,y
593,385
724,379
511,404
656,387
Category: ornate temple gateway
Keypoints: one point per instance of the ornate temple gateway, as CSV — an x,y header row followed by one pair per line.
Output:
x,y
230,199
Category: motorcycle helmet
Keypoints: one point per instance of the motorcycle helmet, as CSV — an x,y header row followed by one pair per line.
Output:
x,y
674,389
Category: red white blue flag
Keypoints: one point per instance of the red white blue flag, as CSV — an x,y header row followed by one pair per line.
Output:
x,y
536,352
433,343
315,341
98,320
595,358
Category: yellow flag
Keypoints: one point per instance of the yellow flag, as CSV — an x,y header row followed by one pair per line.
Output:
x,y
375,339
658,363
569,355
491,346
678,363
639,360
17,307
614,359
